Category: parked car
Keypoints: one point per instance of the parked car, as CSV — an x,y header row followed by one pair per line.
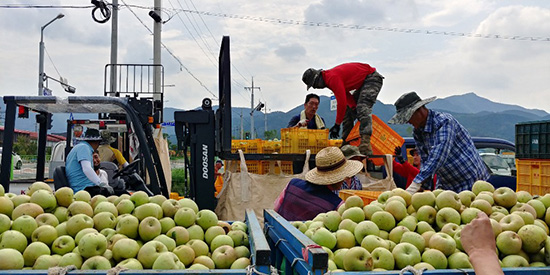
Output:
x,y
497,164
16,160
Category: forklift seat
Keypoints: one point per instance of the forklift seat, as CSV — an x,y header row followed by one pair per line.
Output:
x,y
60,178
111,168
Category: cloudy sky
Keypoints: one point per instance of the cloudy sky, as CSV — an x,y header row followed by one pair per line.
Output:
x,y
504,54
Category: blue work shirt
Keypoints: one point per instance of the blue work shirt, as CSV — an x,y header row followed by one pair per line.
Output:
x,y
77,179
312,124
446,149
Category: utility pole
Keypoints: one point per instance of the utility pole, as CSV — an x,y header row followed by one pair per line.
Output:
x,y
114,47
265,117
157,29
252,132
242,130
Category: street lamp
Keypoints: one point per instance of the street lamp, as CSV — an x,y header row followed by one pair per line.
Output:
x,y
41,55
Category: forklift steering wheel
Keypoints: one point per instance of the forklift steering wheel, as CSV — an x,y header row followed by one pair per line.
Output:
x,y
132,166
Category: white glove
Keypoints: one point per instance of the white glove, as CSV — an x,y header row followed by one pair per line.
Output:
x,y
108,187
413,188
302,123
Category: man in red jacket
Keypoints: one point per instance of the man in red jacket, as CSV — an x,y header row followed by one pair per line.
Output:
x,y
355,86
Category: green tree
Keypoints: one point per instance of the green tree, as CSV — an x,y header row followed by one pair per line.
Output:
x,y
271,134
25,146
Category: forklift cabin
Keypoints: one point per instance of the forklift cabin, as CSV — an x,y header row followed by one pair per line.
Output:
x,y
135,112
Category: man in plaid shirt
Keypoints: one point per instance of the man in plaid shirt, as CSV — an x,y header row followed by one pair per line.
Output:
x,y
444,145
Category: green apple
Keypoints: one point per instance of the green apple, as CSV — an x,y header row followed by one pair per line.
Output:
x,y
13,239
170,207
104,220
371,209
105,206
414,239
166,224
61,213
46,261
508,243
186,254
5,223
332,220
435,258
354,201
482,185
422,198
149,252
63,245
62,229
384,196
448,199
497,216
83,232
339,257
466,197
79,222
212,232
207,218
447,215
179,234
243,251
500,209
239,225
199,246
19,199
459,260
298,225
33,251
427,236
316,224
397,209
344,239
524,207
346,224
355,214
120,198
186,202
443,242
526,216
357,259
486,197
128,225
149,228
167,241
422,227
92,244
148,210
371,242
426,213
206,261
96,200
38,185
341,209
125,206
6,206
64,196
539,208
241,263
365,228
71,258
80,207
45,233
382,258
469,214
28,208
139,198
158,199
226,240
396,233
25,224
96,263
11,259
125,249
239,237
532,238
130,263
543,225
450,229
185,217
83,196
403,194
408,222
195,232
384,220
523,196
511,222
514,261
405,254
224,256
115,238
458,242
505,197
396,198
167,260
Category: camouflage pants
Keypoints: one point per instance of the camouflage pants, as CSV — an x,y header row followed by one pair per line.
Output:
x,y
365,97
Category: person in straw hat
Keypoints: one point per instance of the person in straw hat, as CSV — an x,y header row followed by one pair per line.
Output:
x,y
79,166
444,145
305,199
108,153
352,153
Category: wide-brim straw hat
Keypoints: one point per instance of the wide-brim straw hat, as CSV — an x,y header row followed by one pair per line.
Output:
x,y
406,105
90,135
106,137
351,151
332,167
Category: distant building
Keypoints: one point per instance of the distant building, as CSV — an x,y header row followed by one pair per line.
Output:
x,y
51,140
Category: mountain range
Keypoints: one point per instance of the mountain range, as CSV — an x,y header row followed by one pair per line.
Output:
x,y
481,116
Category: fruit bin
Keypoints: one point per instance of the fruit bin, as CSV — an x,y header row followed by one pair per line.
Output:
x,y
297,140
288,243
367,196
533,176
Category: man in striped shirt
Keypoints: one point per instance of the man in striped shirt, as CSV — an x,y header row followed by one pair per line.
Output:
x,y
444,145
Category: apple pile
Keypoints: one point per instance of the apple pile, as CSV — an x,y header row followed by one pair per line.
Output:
x,y
423,230
43,229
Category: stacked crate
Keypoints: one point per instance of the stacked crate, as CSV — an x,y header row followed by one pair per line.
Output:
x,y
533,157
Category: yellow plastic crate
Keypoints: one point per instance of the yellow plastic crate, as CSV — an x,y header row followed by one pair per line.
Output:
x,y
367,196
533,176
335,143
253,146
271,146
297,141
254,166
286,167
